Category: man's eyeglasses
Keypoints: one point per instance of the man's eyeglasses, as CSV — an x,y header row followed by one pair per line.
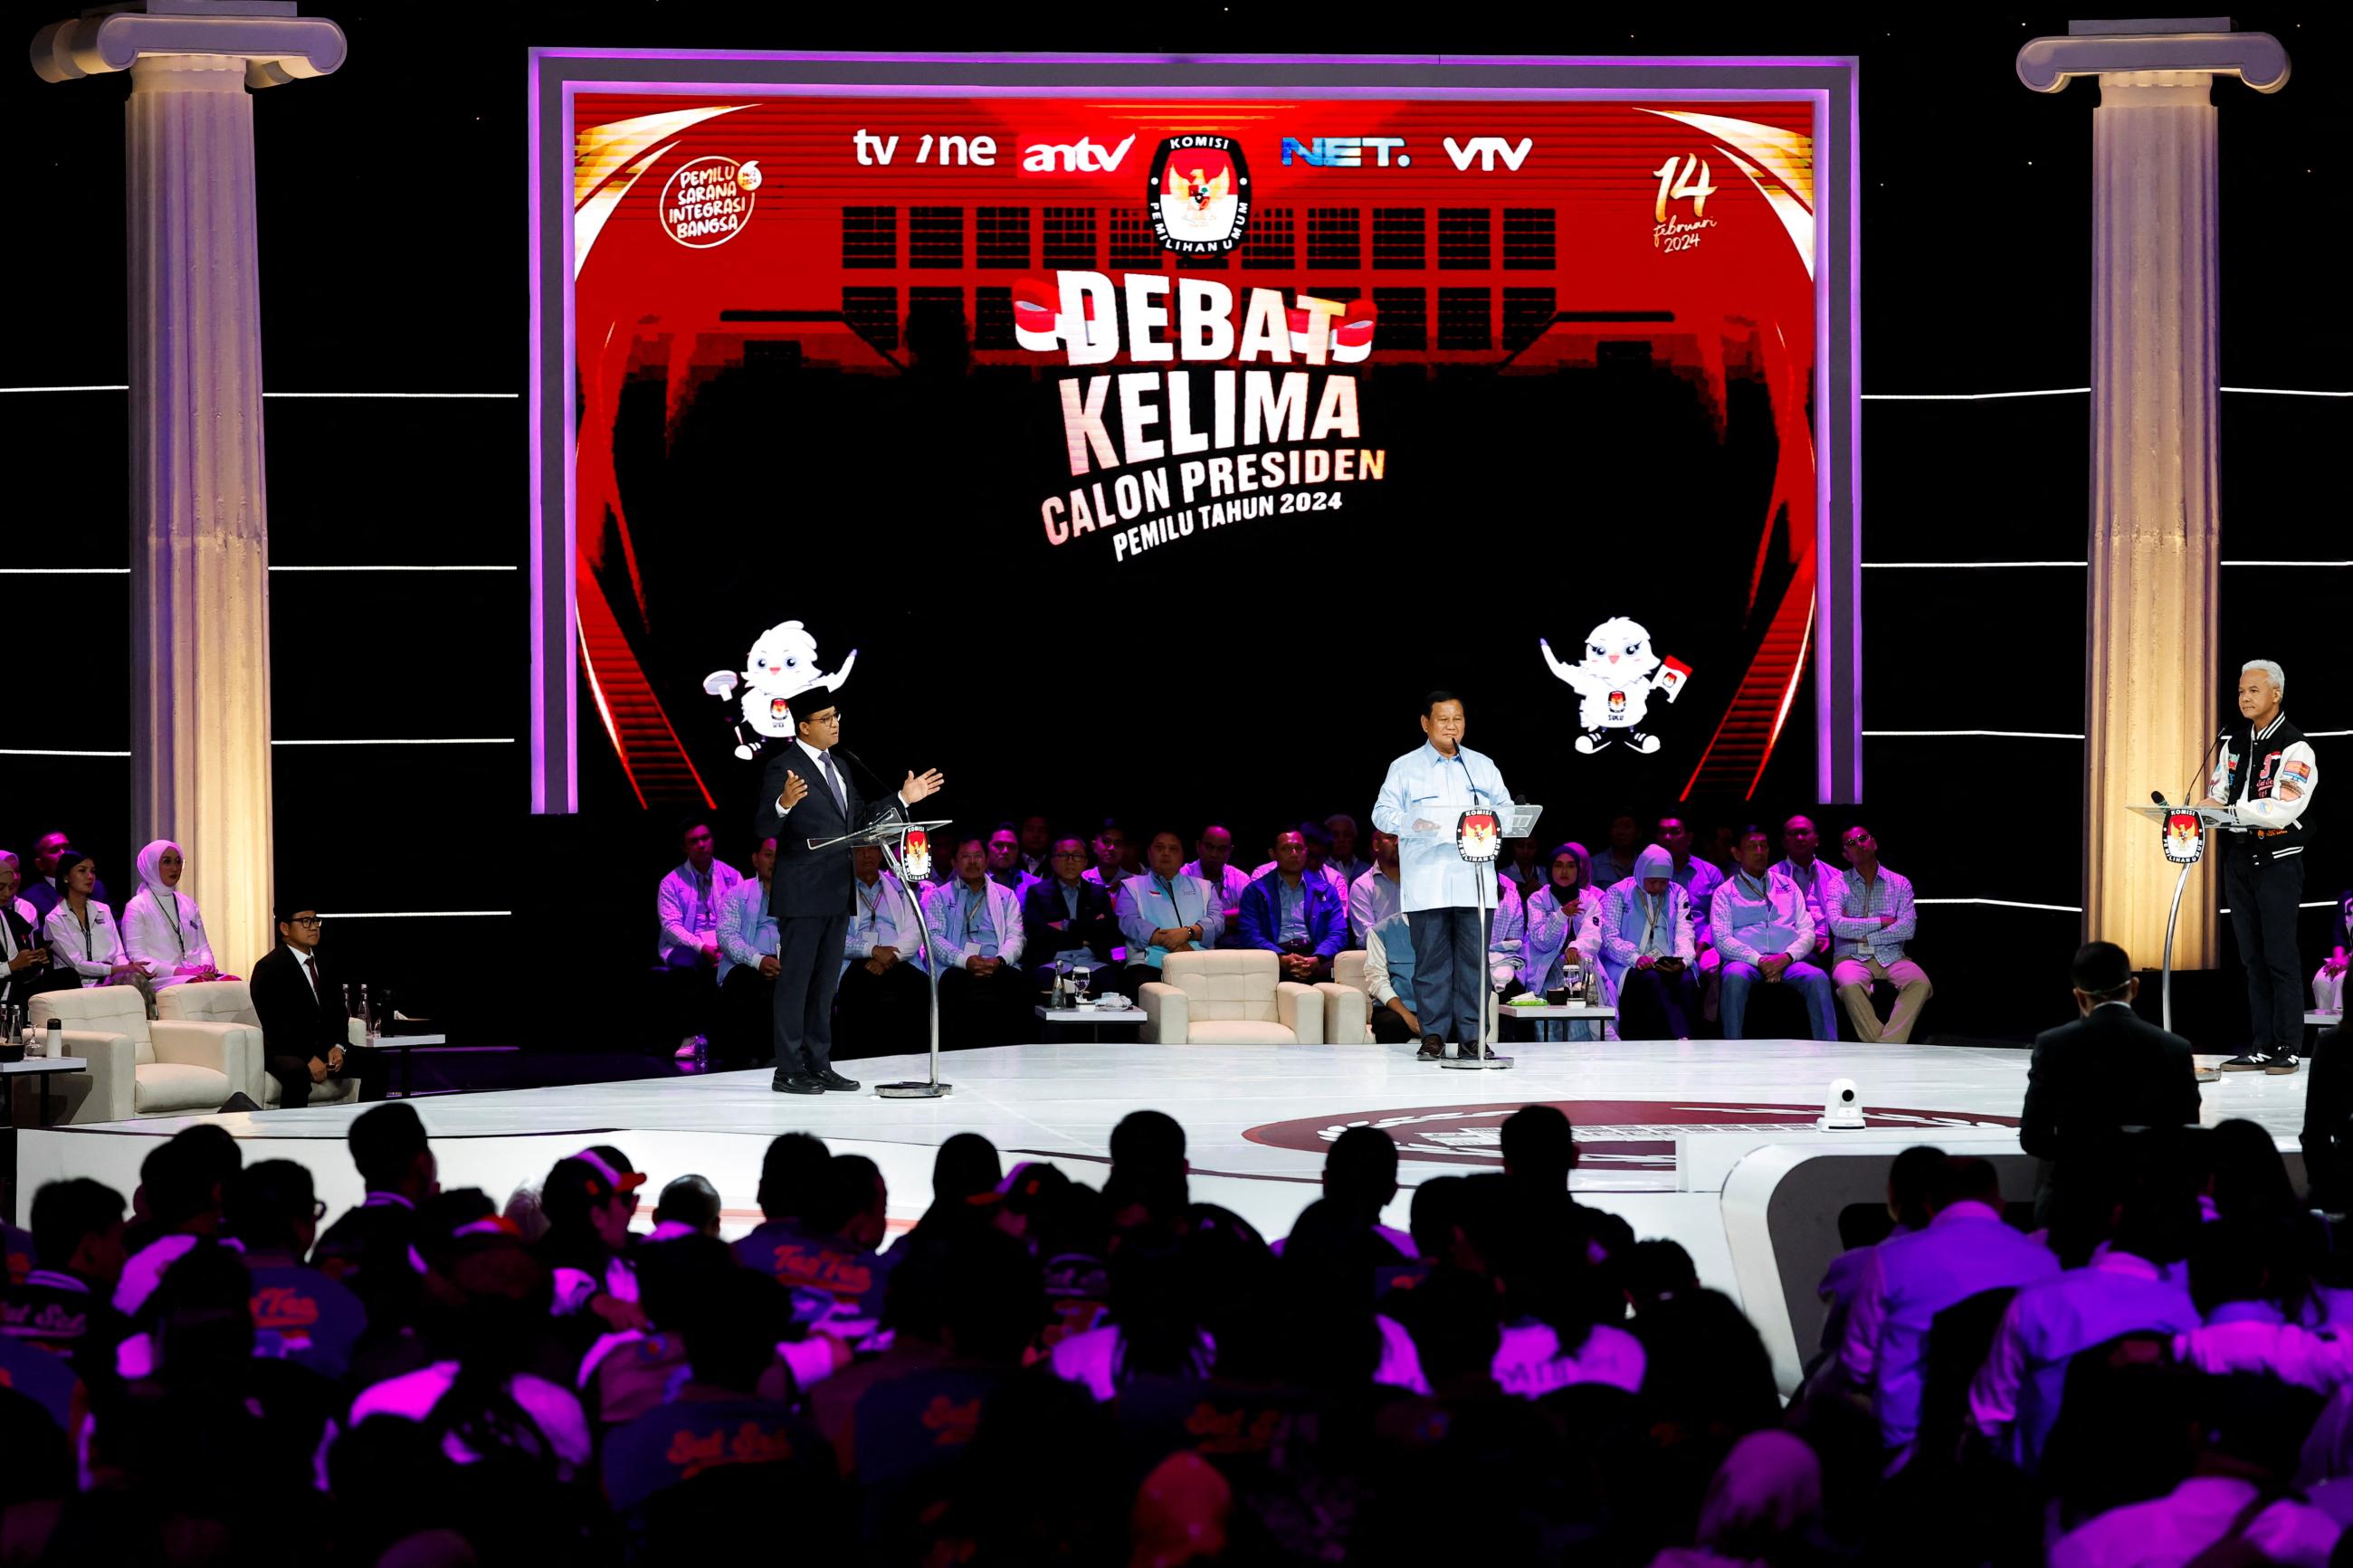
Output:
x,y
832,716
314,922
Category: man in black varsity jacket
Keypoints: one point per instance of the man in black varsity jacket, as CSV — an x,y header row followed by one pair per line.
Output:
x,y
2266,776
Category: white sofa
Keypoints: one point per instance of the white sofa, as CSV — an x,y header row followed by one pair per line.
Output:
x,y
1349,975
170,1067
1230,996
231,1002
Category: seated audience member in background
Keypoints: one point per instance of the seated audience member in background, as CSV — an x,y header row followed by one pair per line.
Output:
x,y
15,899
1507,939
2329,980
1647,952
182,1182
1037,846
687,1206
81,932
1360,1175
24,968
1067,920
1005,866
1699,878
1766,933
1615,863
162,930
967,1175
2131,1285
66,1305
1113,863
1872,922
1213,862
1295,913
305,1024
1564,918
718,1422
1376,894
272,1210
687,906
1908,1175
884,1003
1821,882
2093,1078
1346,836
747,964
46,885
1389,981
791,1173
1520,866
1966,1247
828,1253
977,942
1163,912
589,1203
372,1249
1319,857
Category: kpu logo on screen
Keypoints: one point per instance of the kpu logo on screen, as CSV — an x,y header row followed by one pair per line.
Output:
x,y
1199,198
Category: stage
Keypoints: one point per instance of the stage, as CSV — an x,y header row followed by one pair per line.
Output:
x,y
1712,1143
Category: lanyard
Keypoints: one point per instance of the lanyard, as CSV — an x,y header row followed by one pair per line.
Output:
x,y
1169,893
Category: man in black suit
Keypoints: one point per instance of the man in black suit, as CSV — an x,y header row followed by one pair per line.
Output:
x,y
1067,913
2095,1078
804,795
303,1022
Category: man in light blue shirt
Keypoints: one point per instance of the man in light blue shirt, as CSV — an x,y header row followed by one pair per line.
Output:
x,y
747,962
1873,920
884,1003
1164,911
1425,792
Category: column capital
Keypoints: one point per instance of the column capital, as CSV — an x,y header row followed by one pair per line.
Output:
x,y
2200,44
275,45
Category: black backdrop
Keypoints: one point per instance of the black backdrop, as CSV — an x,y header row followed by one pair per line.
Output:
x,y
1975,256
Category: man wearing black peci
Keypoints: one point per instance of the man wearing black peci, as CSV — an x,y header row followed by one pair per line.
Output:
x,y
2093,1078
806,796
305,1024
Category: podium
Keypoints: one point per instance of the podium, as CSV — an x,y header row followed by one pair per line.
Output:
x,y
2182,833
891,832
1479,836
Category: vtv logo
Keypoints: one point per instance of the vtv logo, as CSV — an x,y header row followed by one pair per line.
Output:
x,y
1080,157
1345,151
1486,150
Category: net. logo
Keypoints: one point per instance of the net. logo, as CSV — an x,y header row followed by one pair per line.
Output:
x,y
1199,195
1346,151
709,200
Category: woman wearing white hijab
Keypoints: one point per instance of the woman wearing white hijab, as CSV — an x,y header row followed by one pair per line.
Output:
x,y
161,927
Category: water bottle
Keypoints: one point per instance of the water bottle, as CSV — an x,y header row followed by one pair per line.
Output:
x,y
54,1046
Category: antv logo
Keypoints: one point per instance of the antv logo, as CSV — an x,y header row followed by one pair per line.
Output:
x,y
1080,157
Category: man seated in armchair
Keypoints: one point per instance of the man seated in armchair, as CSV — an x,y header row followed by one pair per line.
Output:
x,y
305,1026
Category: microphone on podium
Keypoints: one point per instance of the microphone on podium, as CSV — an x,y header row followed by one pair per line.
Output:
x,y
2158,797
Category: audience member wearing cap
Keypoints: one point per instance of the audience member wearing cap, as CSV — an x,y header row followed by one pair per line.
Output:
x,y
65,1305
372,1250
162,928
589,1206
305,1022
273,1212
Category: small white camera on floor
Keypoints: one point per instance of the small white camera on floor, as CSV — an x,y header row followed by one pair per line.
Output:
x,y
1842,1112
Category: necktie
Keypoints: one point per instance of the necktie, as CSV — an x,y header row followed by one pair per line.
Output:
x,y
833,778
311,973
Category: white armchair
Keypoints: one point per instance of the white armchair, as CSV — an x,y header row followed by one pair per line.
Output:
x,y
231,1002
1348,1003
170,1067
1230,997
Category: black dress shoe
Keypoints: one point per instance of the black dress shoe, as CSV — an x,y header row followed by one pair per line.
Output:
x,y
834,1080
796,1083
1432,1049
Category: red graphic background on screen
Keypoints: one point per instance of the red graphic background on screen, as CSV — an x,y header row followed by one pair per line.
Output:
x,y
1589,324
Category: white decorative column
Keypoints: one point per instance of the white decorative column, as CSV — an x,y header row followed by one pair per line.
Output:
x,y
199,527
2152,658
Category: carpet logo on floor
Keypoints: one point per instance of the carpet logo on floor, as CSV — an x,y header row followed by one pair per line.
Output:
x,y
1611,1134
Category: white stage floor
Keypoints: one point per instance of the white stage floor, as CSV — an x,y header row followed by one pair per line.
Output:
x,y
1257,1120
